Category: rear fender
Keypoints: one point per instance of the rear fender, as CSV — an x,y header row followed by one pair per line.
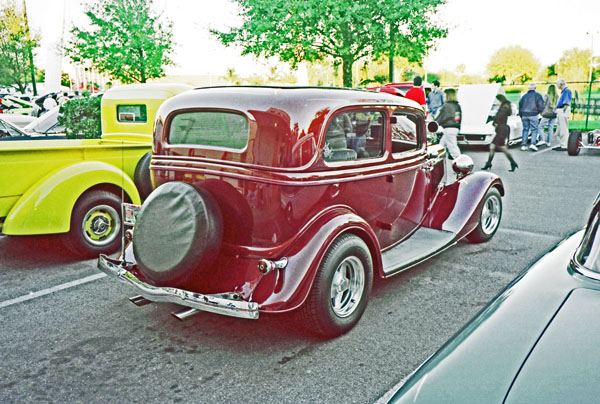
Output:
x,y
305,255
455,208
46,207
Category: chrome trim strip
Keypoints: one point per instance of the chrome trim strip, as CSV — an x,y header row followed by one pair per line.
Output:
x,y
219,303
577,267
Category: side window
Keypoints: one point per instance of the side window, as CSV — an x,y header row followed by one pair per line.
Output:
x,y
405,132
132,113
207,128
354,135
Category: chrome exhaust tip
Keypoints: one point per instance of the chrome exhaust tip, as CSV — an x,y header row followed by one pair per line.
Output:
x,y
182,315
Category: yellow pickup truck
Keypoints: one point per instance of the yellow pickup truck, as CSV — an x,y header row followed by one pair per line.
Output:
x,y
76,186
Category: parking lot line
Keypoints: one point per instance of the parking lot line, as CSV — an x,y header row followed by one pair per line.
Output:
x,y
44,292
530,234
547,149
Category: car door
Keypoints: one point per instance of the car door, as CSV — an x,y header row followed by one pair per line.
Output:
x,y
409,180
355,156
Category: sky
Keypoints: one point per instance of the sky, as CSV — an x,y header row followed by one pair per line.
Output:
x,y
477,28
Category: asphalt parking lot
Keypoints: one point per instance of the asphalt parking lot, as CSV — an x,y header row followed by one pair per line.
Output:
x,y
71,336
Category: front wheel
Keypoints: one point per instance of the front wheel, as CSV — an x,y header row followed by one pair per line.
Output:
x,y
490,214
95,225
341,289
574,143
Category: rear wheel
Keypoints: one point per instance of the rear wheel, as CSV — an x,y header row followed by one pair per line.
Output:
x,y
341,289
574,143
141,176
490,214
95,224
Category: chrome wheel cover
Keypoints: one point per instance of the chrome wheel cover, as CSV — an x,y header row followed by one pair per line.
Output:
x,y
101,225
490,214
347,286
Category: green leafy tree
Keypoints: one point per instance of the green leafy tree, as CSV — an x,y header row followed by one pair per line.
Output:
x,y
311,30
513,64
15,42
124,39
574,65
406,28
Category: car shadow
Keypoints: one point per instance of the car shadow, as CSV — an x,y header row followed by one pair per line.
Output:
x,y
31,251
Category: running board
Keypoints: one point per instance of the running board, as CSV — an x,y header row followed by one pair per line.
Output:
x,y
422,244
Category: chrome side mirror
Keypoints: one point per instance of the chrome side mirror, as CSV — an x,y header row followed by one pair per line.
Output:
x,y
462,165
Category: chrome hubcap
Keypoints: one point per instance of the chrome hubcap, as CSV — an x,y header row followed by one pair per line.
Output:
x,y
101,225
347,286
490,215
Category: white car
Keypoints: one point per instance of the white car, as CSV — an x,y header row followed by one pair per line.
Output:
x,y
479,105
45,124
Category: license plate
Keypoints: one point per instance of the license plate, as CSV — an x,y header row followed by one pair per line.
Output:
x,y
130,213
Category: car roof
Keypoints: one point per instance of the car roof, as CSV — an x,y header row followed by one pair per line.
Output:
x,y
288,98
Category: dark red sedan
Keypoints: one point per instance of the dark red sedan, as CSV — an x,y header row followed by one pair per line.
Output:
x,y
271,200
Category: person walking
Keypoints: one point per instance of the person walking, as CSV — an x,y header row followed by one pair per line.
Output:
x,y
435,99
530,106
449,118
563,112
502,132
416,93
548,115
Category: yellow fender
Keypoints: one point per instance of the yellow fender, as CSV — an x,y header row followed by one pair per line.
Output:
x,y
46,207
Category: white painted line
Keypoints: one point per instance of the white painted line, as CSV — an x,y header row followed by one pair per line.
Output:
x,y
39,293
530,234
547,149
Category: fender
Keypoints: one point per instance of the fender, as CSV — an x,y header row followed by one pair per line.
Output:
x,y
46,207
305,255
455,208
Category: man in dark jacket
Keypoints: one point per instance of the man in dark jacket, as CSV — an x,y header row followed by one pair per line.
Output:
x,y
530,106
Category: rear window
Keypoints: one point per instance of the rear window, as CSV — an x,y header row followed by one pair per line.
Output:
x,y
132,113
209,128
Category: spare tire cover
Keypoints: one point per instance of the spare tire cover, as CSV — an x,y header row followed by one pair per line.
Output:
x,y
178,233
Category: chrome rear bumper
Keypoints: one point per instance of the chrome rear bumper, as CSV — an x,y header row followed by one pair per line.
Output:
x,y
225,303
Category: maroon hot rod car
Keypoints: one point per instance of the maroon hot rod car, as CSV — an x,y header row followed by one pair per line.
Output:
x,y
270,200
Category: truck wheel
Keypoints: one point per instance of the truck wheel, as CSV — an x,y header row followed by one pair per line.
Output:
x,y
490,214
95,224
341,289
574,143
141,176
178,234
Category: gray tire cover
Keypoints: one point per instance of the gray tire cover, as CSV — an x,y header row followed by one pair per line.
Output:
x,y
178,233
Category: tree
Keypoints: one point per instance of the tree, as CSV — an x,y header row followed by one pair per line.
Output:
x,y
406,28
574,65
125,40
513,64
311,30
15,42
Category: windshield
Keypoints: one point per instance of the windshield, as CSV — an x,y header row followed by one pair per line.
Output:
x,y
587,255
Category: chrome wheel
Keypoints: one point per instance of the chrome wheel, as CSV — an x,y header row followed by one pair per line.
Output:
x,y
101,225
347,286
490,214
